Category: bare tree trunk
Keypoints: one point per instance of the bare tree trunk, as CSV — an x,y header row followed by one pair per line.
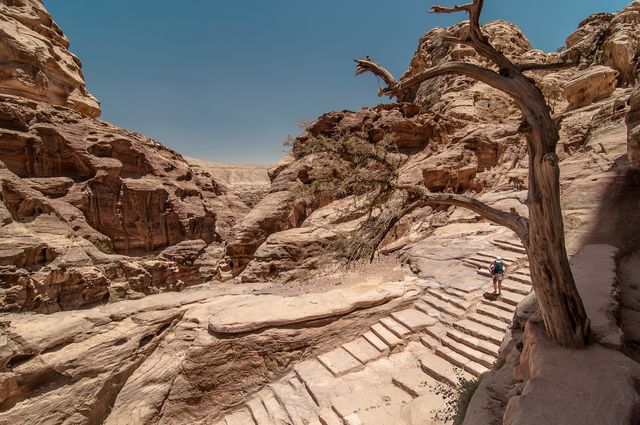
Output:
x,y
543,237
560,303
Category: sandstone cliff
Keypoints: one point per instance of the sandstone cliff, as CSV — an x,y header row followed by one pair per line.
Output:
x,y
81,197
456,135
86,206
36,61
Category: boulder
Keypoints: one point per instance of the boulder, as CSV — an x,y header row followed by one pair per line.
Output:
x,y
589,86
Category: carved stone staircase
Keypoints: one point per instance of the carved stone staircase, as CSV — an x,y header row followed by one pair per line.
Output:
x,y
447,334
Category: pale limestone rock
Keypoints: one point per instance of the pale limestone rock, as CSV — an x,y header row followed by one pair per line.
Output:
x,y
256,312
594,270
37,62
595,385
593,84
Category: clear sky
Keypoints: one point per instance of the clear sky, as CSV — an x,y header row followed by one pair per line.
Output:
x,y
228,80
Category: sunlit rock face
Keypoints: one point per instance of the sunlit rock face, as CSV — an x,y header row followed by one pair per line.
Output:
x,y
86,206
37,63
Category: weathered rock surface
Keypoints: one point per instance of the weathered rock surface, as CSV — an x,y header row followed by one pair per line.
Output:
x,y
248,181
455,135
598,384
589,86
633,126
154,360
79,196
36,62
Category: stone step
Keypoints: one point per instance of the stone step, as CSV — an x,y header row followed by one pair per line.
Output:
x,y
339,362
492,255
414,381
486,261
362,350
329,417
460,361
509,247
509,308
319,382
275,410
461,303
511,298
385,335
376,341
440,369
487,347
441,306
513,242
468,352
472,328
430,342
517,287
259,412
474,263
413,319
396,328
521,278
496,313
372,405
456,292
241,417
489,321
300,411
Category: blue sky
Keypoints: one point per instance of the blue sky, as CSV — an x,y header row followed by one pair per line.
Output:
x,y
228,80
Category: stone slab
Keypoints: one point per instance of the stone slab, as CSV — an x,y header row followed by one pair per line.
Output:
x,y
362,350
413,319
385,335
395,327
252,312
241,417
375,341
339,361
372,406
594,270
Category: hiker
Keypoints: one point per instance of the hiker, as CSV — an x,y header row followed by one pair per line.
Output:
x,y
497,269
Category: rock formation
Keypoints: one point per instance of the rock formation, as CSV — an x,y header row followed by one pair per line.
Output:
x,y
79,197
633,124
117,238
37,64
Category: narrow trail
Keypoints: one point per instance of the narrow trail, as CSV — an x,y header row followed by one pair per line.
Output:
x,y
389,373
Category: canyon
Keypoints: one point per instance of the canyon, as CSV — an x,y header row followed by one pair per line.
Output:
x,y
140,286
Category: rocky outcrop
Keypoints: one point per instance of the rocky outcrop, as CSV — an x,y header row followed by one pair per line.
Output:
x,y
36,61
591,85
633,127
64,175
168,357
84,205
621,49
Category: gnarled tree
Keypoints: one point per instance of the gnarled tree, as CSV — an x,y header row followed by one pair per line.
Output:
x,y
543,233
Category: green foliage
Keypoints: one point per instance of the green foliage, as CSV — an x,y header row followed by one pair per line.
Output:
x,y
456,398
103,247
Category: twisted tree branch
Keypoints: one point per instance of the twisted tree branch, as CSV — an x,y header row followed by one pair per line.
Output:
x,y
518,224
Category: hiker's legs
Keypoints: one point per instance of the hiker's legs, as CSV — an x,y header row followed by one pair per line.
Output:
x,y
495,280
499,285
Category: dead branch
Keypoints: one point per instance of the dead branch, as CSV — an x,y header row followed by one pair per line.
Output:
x,y
533,66
518,224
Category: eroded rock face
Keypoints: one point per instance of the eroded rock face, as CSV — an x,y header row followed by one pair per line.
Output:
x,y
591,85
633,126
66,176
36,61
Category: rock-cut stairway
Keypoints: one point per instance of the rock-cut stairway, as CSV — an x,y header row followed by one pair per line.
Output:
x,y
388,374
